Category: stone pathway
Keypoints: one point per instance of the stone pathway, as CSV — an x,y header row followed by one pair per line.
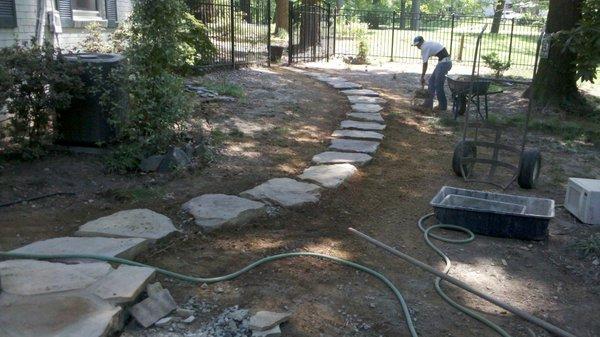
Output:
x,y
85,297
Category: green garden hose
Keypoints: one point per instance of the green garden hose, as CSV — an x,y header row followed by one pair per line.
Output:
x,y
427,235
381,277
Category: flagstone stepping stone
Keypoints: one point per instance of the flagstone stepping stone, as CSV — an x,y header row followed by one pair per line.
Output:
x,y
345,85
352,145
212,211
348,124
124,248
124,284
265,320
332,157
357,134
284,192
330,176
333,80
367,116
32,277
71,314
364,107
133,223
360,92
273,332
366,99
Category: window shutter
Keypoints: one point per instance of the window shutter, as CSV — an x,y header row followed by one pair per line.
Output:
x,y
111,13
66,13
8,14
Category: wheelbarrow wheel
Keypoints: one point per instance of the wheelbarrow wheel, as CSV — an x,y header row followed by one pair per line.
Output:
x,y
531,164
464,148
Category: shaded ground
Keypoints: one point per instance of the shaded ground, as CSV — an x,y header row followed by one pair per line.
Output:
x,y
384,200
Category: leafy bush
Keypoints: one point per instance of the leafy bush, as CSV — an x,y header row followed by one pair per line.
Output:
x,y
493,62
363,50
95,41
35,81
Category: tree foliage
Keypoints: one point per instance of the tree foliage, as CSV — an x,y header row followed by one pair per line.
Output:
x,y
584,41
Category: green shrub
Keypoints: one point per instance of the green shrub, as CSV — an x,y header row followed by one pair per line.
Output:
x,y
35,81
493,62
363,50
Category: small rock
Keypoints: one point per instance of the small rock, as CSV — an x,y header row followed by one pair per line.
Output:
x,y
265,320
150,164
183,313
239,315
596,262
152,309
273,332
504,262
175,158
189,319
164,321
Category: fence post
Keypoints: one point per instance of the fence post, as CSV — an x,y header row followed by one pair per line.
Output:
x,y
393,27
512,29
452,34
290,32
462,45
335,15
232,27
328,24
268,33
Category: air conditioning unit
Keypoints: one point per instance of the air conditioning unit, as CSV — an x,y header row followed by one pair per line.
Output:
x,y
583,199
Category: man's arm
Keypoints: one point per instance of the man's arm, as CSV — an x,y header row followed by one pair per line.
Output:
x,y
423,73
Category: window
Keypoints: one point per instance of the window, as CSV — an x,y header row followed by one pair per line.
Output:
x,y
8,15
85,5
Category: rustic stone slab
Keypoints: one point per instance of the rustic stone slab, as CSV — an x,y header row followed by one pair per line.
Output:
x,y
366,100
345,85
357,134
273,332
364,107
330,176
284,192
133,223
212,211
32,277
266,320
349,124
153,308
126,248
124,284
332,157
367,116
352,145
71,314
360,92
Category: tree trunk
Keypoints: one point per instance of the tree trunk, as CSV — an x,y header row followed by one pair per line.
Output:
x,y
556,81
246,8
415,18
282,8
497,16
373,16
310,24
402,23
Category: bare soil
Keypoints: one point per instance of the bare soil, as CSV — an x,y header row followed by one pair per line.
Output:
x,y
385,200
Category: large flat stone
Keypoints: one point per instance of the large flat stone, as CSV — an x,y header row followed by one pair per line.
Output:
x,y
133,223
361,92
357,134
125,248
212,211
32,277
366,100
352,145
124,284
284,192
71,314
367,116
345,85
332,157
348,124
330,176
364,107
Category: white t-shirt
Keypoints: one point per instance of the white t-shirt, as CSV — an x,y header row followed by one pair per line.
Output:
x,y
429,49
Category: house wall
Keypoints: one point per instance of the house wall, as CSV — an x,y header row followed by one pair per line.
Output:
x,y
70,37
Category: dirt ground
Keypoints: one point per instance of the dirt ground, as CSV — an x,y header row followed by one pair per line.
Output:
x,y
284,119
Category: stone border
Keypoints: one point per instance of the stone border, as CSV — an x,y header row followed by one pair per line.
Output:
x,y
129,232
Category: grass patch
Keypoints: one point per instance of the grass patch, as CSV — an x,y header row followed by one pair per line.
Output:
x,y
224,88
588,247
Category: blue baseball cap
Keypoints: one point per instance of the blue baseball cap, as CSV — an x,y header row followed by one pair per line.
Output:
x,y
418,40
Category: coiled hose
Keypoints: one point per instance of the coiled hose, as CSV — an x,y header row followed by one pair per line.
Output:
x,y
409,323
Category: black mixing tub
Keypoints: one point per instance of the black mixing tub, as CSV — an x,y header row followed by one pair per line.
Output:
x,y
494,214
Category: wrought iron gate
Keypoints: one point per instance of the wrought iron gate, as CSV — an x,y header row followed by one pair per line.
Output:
x,y
311,32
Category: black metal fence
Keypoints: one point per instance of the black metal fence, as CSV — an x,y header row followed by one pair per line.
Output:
x,y
241,31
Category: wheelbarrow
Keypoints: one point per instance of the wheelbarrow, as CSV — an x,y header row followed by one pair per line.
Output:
x,y
460,88
526,172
